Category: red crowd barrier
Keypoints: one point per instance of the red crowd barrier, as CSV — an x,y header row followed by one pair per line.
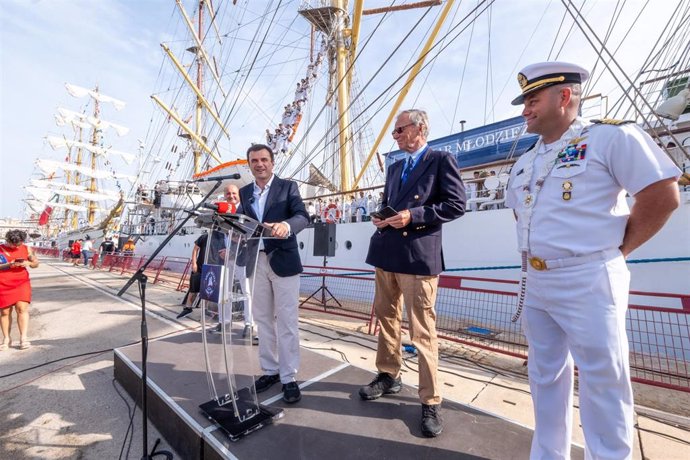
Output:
x,y
477,312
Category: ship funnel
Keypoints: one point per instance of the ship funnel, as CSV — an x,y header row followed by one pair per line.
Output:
x,y
673,107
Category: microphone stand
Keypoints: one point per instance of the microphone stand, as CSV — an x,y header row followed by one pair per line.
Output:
x,y
142,278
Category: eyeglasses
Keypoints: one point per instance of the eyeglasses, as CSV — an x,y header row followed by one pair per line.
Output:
x,y
400,129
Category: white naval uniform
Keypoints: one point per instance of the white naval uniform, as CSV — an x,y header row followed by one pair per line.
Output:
x,y
575,310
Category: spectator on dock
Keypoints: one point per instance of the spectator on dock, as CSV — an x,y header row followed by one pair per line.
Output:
x,y
15,287
75,251
87,249
129,247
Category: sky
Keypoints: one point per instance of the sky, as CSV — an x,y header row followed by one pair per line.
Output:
x,y
115,44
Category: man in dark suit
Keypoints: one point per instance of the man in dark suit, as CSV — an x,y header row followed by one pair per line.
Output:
x,y
277,204
426,190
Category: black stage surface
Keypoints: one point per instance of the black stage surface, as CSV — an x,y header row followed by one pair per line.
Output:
x,y
330,421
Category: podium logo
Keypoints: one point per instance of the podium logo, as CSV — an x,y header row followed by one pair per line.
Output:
x,y
210,283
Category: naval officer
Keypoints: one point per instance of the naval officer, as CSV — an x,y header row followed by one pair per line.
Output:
x,y
575,231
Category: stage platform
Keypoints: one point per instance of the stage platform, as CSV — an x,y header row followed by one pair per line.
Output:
x,y
330,421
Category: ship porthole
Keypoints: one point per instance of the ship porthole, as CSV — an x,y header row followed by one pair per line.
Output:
x,y
348,245
301,245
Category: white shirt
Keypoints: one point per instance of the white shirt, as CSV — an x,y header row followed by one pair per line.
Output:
x,y
259,204
88,245
260,197
616,159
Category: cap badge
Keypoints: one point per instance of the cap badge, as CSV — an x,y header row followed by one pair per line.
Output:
x,y
522,80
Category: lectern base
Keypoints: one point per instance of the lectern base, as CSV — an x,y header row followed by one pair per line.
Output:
x,y
256,416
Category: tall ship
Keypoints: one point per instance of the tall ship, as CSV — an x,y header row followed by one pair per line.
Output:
x,y
298,83
322,84
80,190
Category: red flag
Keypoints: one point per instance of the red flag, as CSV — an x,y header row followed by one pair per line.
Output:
x,y
45,215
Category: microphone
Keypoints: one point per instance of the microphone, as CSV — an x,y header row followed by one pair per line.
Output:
x,y
221,207
219,178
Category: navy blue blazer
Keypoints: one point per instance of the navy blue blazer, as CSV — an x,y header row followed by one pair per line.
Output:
x,y
283,204
434,194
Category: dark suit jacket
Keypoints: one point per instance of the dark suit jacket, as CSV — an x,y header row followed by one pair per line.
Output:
x,y
434,194
283,204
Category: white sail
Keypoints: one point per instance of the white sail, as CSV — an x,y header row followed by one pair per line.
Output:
x,y
76,118
62,121
40,193
58,142
52,184
35,205
91,196
71,114
50,167
78,91
71,207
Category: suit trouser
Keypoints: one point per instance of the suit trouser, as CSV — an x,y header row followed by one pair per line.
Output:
x,y
275,309
576,315
419,295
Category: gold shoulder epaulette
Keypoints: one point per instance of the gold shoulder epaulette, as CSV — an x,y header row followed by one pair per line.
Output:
x,y
611,121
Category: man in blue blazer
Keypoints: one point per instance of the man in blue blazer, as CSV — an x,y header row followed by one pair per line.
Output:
x,y
426,190
277,204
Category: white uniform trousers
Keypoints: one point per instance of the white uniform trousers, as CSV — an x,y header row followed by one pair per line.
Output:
x,y
578,314
275,304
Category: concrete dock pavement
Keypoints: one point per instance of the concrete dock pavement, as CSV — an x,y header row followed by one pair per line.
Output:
x,y
72,408
59,397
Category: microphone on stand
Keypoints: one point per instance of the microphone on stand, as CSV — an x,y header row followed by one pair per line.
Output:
x,y
219,178
221,207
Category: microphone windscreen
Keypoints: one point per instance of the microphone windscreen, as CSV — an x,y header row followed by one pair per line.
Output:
x,y
223,207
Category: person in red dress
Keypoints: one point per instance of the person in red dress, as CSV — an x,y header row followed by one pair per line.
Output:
x,y
76,252
15,287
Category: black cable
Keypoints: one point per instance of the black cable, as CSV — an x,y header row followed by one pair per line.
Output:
x,y
38,366
342,355
130,426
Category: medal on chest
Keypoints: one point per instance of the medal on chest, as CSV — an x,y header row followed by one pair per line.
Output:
x,y
567,190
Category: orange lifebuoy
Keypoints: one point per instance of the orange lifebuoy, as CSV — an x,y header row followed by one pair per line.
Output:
x,y
331,217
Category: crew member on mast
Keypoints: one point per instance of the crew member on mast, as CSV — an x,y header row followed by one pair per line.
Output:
x,y
575,231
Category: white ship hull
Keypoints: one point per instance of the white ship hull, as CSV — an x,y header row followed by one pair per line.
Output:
x,y
478,241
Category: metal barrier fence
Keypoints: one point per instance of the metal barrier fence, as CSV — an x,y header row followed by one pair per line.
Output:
x,y
477,312
473,311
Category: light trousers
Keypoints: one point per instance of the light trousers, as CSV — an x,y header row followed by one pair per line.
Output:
x,y
418,292
576,316
275,308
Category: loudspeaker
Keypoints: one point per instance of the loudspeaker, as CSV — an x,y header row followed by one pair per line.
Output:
x,y
324,239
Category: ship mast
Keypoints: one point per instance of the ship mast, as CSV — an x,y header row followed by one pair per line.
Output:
x,y
199,84
77,178
91,212
333,21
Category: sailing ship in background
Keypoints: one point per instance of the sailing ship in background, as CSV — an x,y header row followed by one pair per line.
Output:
x,y
224,84
83,192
